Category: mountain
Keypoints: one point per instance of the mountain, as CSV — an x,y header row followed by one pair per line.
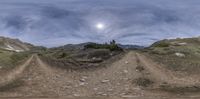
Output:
x,y
81,46
130,46
14,45
73,46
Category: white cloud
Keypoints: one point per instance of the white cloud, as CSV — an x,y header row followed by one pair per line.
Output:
x,y
57,22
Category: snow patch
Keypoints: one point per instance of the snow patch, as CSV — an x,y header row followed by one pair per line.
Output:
x,y
10,48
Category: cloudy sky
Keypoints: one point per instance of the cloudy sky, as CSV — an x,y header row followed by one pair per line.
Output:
x,y
57,22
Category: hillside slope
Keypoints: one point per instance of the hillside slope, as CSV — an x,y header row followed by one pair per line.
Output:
x,y
14,45
181,55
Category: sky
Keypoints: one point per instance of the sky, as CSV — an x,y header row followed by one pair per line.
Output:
x,y
53,23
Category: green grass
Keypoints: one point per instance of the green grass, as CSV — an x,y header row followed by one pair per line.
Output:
x,y
10,59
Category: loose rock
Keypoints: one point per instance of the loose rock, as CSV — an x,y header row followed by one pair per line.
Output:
x,y
180,54
105,81
125,71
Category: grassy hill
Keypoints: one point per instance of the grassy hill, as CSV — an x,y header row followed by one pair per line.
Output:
x,y
177,54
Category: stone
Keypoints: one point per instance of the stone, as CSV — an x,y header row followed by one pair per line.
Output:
x,y
125,71
76,95
95,89
84,77
99,93
67,87
82,80
105,81
104,94
82,84
180,54
110,89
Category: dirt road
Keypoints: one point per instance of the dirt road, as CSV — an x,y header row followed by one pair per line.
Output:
x,y
38,79
14,74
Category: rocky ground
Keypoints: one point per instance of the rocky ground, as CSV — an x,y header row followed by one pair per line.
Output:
x,y
132,76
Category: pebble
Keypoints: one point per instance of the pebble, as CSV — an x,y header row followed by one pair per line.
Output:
x,y
126,62
67,87
125,71
137,88
105,81
128,96
29,79
82,84
180,54
122,93
76,95
84,77
110,89
100,93
82,80
126,89
95,89
104,94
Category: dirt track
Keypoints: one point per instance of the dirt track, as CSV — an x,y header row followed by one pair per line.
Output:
x,y
41,80
14,74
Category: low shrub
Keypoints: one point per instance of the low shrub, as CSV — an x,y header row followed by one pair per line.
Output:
x,y
144,82
111,47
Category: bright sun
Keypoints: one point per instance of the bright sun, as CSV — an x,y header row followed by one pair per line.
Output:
x,y
100,26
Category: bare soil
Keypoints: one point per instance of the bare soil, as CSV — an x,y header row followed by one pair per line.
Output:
x,y
36,79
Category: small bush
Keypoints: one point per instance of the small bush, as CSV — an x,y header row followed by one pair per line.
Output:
x,y
140,68
111,47
144,82
62,55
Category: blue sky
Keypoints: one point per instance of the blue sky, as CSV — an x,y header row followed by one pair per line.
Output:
x,y
58,22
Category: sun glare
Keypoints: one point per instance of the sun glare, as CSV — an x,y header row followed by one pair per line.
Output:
x,y
100,26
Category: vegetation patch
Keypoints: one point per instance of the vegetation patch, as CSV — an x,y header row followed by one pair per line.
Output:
x,y
143,82
163,43
11,85
140,68
9,59
179,89
112,46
